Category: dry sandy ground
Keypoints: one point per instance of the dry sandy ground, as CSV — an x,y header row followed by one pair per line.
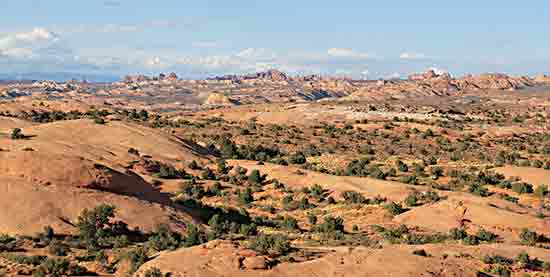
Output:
x,y
46,177
501,217
220,258
534,176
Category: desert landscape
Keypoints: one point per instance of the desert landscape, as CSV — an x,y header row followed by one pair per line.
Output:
x,y
272,175
274,138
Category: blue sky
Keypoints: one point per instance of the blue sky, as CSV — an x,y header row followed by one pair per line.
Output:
x,y
364,39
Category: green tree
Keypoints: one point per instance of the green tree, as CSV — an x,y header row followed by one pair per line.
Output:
x,y
95,224
17,133
255,177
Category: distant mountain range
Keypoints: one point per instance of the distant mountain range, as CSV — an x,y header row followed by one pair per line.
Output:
x,y
59,77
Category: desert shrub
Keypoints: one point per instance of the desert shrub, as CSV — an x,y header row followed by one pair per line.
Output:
x,y
57,248
245,197
99,120
525,261
193,236
208,174
521,187
133,151
137,257
510,198
46,235
311,219
331,200
25,260
6,241
317,192
431,160
394,208
244,132
222,166
497,259
353,197
409,179
255,177
163,238
419,169
537,163
193,165
215,189
401,166
17,133
169,172
458,233
411,200
486,236
60,267
478,189
420,252
358,168
367,150
217,225
274,245
289,223
377,173
393,235
120,241
542,191
501,271
528,237
304,204
192,190
248,229
332,227
471,240
153,272
95,225
436,171
297,158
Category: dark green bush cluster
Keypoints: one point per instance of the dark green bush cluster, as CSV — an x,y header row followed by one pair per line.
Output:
x,y
481,236
531,238
394,208
331,228
297,158
273,245
7,243
165,239
230,150
25,260
97,228
221,225
59,267
418,198
358,168
17,133
403,234
153,272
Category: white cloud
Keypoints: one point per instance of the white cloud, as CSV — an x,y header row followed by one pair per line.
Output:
x,y
256,53
346,53
156,63
34,44
412,56
394,75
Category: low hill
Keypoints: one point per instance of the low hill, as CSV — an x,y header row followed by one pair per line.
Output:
x,y
60,168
